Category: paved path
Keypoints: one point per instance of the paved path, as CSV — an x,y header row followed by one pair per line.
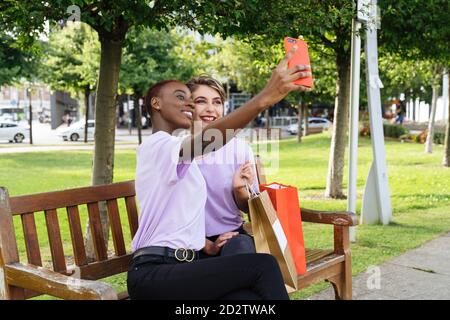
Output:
x,y
422,273
37,148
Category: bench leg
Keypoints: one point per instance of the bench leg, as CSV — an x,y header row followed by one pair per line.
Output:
x,y
342,284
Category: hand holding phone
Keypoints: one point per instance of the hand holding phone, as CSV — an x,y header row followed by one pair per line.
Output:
x,y
300,57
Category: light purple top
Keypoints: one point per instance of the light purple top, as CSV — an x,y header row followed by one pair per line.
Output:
x,y
171,196
218,169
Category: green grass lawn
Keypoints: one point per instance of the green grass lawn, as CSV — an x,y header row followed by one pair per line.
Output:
x,y
419,186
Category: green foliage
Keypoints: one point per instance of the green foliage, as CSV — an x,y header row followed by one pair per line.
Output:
x,y
11,60
394,130
150,56
16,64
248,65
439,138
71,59
416,29
413,77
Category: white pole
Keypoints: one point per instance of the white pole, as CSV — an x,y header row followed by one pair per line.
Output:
x,y
376,204
354,121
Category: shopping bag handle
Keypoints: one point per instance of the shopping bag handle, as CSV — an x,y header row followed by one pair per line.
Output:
x,y
250,191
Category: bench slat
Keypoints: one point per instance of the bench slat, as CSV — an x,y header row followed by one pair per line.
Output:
x,y
79,251
95,224
72,197
102,269
116,227
316,254
322,269
31,239
132,214
54,237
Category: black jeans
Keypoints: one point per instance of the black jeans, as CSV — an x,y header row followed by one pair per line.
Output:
x,y
244,277
242,243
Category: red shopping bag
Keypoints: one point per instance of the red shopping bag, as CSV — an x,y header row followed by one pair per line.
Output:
x,y
285,201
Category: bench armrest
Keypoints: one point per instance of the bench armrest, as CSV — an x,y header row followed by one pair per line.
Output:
x,y
55,284
337,218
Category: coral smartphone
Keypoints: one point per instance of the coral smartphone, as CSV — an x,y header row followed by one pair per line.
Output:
x,y
301,57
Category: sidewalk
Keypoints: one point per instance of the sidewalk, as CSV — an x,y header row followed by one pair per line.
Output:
x,y
418,274
76,147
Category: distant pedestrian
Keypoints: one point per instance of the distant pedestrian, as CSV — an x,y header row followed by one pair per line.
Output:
x,y
400,112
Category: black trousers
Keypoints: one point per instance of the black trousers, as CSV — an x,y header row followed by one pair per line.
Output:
x,y
237,277
242,243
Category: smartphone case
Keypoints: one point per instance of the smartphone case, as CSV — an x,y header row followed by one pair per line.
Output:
x,y
301,57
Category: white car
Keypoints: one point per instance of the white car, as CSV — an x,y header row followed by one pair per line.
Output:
x,y
14,132
75,131
313,122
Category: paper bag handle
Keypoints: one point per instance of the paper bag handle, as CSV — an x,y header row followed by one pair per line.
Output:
x,y
250,191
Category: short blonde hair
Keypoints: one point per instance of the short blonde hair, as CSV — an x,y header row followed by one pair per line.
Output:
x,y
209,81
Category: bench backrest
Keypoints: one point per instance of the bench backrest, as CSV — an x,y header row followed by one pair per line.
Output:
x,y
28,207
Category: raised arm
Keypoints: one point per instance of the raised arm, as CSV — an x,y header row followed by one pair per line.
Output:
x,y
278,86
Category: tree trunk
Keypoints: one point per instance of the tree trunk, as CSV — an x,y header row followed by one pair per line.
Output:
x,y
305,120
87,92
105,119
340,127
431,122
138,117
300,119
446,160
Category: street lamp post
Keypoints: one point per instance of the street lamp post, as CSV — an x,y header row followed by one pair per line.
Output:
x,y
30,107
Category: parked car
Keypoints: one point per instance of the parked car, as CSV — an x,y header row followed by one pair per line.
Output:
x,y
14,132
313,123
75,131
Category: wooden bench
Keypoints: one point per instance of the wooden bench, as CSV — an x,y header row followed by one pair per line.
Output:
x,y
77,279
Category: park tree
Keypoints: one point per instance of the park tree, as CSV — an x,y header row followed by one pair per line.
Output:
x,y
70,62
12,61
410,77
150,56
27,19
403,21
21,68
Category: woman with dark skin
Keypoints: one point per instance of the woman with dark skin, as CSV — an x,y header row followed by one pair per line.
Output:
x,y
171,193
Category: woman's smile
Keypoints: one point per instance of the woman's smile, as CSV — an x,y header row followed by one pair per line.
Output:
x,y
188,114
208,119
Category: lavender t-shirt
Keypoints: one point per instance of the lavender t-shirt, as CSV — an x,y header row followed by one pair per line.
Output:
x,y
218,169
171,196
